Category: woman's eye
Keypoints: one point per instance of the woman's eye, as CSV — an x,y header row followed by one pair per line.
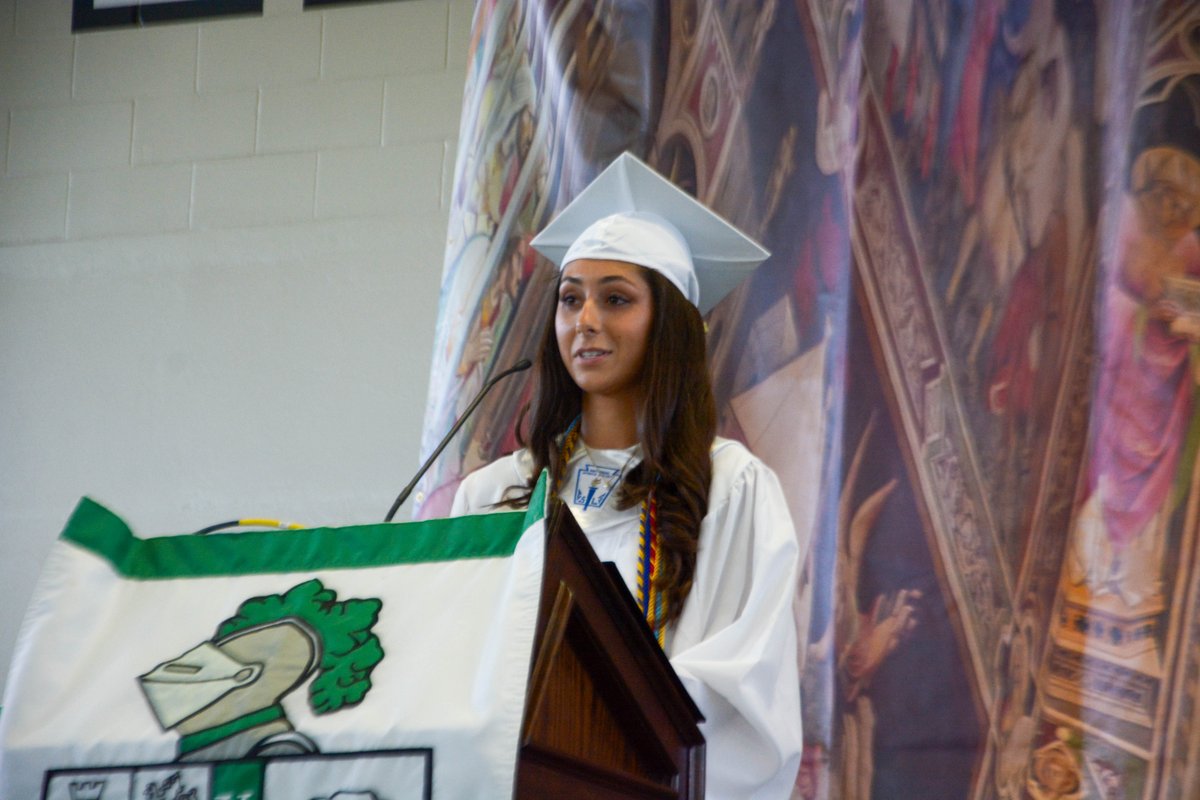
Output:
x,y
617,299
566,299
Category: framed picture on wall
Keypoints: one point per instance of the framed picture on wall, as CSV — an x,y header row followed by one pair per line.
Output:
x,y
314,3
92,14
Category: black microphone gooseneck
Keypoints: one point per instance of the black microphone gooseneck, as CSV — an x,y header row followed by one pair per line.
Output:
x,y
520,366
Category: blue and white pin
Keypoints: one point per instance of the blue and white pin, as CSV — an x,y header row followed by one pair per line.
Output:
x,y
594,484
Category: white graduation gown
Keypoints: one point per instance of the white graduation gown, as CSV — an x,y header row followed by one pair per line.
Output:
x,y
734,645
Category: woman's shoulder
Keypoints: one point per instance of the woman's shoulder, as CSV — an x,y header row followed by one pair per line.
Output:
x,y
747,509
731,457
491,483
731,451
515,465
735,471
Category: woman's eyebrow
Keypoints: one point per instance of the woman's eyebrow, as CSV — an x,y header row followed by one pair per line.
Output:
x,y
616,279
604,279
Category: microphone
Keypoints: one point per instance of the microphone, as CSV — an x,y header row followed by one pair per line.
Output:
x,y
520,366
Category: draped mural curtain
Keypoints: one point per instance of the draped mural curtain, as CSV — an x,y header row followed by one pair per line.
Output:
x,y
971,358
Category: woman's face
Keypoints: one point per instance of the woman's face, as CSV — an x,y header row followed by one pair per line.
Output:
x,y
605,310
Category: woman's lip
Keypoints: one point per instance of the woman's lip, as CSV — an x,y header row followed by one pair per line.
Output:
x,y
591,353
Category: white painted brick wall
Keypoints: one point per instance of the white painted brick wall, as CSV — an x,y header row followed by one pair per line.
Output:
x,y
258,191
42,18
195,127
462,16
60,138
369,180
8,15
128,63
313,116
220,256
124,201
222,96
249,53
4,122
32,209
415,108
35,71
384,39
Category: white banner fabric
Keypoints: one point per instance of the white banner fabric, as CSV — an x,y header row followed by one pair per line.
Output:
x,y
360,663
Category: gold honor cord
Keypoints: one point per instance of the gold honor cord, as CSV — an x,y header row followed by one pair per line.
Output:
x,y
649,597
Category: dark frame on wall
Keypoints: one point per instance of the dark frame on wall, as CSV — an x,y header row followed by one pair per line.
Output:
x,y
93,14
314,3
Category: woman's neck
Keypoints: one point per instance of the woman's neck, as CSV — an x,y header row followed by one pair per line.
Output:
x,y
609,423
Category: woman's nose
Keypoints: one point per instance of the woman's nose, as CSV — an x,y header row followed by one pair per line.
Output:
x,y
586,321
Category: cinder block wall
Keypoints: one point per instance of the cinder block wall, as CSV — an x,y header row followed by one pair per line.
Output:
x,y
220,252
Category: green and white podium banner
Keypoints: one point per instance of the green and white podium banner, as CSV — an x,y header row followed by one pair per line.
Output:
x,y
376,662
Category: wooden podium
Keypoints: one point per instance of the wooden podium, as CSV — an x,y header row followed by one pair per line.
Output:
x,y
605,715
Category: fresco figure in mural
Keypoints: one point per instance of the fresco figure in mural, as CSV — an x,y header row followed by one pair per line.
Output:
x,y
553,89
986,134
864,638
1014,723
500,186
623,418
1028,231
1137,472
496,312
990,123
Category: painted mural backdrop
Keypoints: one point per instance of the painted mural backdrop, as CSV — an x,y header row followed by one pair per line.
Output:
x,y
972,357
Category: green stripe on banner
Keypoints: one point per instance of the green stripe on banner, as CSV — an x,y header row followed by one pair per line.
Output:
x,y
201,739
240,779
98,530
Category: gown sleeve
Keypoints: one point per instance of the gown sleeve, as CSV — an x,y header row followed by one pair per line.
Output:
x,y
482,489
464,499
734,647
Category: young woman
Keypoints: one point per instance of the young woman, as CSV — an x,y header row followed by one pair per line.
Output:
x,y
623,419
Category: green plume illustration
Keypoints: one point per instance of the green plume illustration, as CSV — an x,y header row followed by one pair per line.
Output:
x,y
349,650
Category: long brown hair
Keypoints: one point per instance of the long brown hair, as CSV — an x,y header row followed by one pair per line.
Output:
x,y
677,421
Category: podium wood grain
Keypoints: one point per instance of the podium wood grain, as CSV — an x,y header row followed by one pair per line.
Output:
x,y
605,715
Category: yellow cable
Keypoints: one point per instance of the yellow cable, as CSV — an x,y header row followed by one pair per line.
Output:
x,y
269,523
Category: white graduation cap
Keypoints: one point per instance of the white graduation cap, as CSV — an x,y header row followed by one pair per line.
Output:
x,y
631,213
